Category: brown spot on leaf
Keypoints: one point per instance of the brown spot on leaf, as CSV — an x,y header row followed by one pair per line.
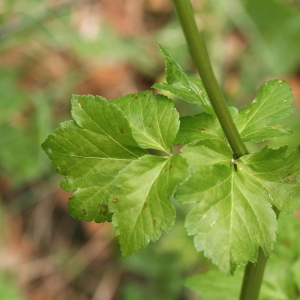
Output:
x,y
83,211
121,130
115,200
290,179
201,129
103,209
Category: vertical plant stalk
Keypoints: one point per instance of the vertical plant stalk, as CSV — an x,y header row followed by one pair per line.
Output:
x,y
253,272
253,278
200,57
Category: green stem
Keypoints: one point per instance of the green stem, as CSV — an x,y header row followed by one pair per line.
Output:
x,y
253,272
253,276
200,57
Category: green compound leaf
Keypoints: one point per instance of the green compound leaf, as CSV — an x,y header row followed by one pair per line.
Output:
x,y
153,119
232,218
198,127
278,171
140,201
189,89
258,120
90,152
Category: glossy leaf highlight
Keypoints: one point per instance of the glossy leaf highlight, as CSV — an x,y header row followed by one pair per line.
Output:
x,y
231,211
258,120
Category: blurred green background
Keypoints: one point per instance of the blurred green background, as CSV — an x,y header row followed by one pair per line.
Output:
x,y
50,50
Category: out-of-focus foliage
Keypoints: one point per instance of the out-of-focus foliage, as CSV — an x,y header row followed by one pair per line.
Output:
x,y
23,124
8,289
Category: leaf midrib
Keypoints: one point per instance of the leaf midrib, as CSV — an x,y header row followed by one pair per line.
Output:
x,y
146,197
